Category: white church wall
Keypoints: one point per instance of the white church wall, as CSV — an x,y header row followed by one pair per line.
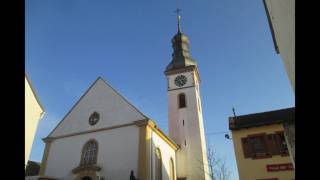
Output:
x,y
166,153
190,135
117,153
113,110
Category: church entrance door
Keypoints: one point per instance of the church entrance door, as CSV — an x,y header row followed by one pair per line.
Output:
x,y
86,178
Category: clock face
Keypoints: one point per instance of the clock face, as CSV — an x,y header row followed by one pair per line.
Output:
x,y
180,80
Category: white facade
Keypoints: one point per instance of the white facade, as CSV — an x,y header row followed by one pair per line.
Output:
x,y
167,154
186,127
113,109
117,153
118,136
281,15
33,113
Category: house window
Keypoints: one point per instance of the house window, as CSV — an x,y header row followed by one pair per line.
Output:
x,y
259,146
158,165
281,143
182,100
263,145
255,146
89,153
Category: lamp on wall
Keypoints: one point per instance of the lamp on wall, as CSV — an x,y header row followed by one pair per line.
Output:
x,y
227,136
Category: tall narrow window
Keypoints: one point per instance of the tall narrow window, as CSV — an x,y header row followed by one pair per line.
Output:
x,y
182,122
89,153
182,100
158,165
172,174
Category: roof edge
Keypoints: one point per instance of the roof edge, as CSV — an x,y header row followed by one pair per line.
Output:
x,y
83,95
48,137
276,47
34,92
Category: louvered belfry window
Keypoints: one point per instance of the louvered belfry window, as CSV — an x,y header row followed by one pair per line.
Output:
x,y
89,153
182,100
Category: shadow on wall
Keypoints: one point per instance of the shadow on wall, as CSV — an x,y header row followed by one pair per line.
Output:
x,y
160,163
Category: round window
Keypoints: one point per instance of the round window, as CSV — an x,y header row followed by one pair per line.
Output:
x,y
94,118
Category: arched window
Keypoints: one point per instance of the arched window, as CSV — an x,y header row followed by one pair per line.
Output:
x,y
182,100
172,174
158,165
89,153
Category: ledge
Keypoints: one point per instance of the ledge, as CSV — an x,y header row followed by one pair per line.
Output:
x,y
86,168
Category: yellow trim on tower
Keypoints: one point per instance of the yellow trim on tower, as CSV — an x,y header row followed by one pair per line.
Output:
x,y
148,152
154,128
144,151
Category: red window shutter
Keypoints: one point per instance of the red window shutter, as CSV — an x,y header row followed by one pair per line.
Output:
x,y
272,146
279,143
246,148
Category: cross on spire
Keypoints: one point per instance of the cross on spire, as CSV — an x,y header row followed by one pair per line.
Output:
x,y
179,19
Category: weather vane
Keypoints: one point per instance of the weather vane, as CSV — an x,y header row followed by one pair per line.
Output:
x,y
178,10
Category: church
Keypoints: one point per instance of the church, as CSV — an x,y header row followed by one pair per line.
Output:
x,y
104,137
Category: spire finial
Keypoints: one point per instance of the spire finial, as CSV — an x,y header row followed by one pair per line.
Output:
x,y
179,19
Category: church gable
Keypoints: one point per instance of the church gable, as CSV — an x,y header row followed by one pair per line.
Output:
x,y
103,106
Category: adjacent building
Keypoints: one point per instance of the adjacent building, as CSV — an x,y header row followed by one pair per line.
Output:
x,y
33,113
260,145
281,18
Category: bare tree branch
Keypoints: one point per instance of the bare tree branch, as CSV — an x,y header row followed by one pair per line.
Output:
x,y
218,169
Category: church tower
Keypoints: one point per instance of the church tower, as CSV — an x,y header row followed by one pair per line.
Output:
x,y
185,113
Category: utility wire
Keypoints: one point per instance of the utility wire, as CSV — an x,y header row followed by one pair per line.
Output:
x,y
215,133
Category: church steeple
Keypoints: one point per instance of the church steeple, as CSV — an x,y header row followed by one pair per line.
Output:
x,y
181,56
184,110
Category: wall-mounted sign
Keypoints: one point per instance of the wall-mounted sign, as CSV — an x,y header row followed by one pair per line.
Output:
x,y
279,167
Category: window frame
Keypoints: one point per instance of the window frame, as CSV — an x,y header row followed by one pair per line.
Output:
x,y
273,145
185,100
285,147
92,157
261,136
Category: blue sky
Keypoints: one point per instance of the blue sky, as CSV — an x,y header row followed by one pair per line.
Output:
x,y
128,43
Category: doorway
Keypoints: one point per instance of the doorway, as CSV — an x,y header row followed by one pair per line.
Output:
x,y
86,178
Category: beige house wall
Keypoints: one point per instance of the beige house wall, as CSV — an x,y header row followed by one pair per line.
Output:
x,y
253,169
33,113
